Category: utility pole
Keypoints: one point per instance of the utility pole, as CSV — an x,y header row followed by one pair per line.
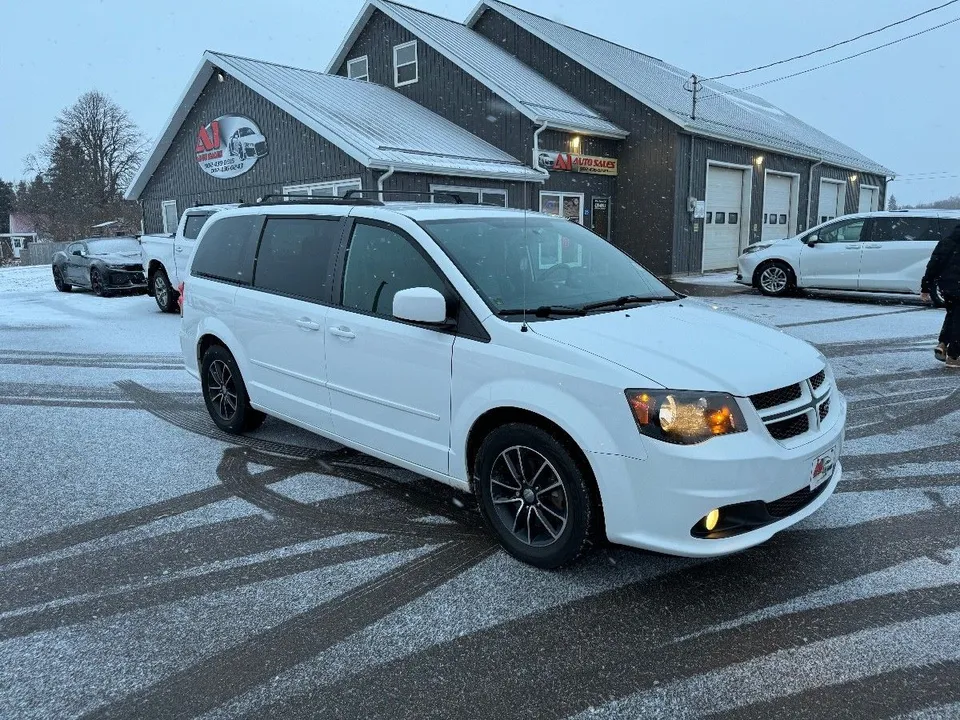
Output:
x,y
695,82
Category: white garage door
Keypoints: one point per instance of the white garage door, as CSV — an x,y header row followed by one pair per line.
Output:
x,y
831,200
777,210
721,231
869,197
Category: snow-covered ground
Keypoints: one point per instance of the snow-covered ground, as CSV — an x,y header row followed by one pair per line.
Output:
x,y
153,567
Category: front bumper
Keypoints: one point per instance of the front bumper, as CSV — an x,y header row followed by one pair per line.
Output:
x,y
746,266
656,503
125,280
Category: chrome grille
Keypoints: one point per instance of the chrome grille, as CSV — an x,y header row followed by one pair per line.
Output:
x,y
792,412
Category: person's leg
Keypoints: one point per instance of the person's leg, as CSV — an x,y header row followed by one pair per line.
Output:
x,y
940,352
952,326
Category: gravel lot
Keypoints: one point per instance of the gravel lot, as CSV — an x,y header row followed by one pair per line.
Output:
x,y
153,567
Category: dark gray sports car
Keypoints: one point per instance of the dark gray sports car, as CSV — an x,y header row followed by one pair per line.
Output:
x,y
104,265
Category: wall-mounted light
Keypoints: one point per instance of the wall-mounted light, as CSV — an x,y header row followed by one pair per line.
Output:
x,y
758,160
220,75
853,178
575,143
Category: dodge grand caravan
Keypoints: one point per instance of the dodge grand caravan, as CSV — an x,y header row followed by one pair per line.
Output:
x,y
518,356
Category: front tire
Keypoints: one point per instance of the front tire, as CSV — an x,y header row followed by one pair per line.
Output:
x,y
775,279
936,297
96,283
535,496
163,293
224,393
59,281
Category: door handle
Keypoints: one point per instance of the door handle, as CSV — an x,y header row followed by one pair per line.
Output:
x,y
873,246
179,249
853,247
342,332
307,324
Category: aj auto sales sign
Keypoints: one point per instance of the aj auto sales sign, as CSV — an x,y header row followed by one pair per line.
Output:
x,y
572,162
229,146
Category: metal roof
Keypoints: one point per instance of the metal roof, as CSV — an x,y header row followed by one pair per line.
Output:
x,y
722,111
488,63
350,114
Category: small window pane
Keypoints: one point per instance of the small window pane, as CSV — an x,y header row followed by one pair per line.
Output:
x,y
345,188
721,218
407,73
226,251
773,219
495,198
294,256
765,218
783,219
381,263
357,68
550,203
842,232
169,216
709,219
406,54
733,218
193,226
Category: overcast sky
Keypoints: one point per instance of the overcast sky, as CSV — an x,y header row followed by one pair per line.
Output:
x,y
899,106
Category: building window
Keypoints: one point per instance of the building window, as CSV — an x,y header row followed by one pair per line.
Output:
x,y
357,69
405,68
333,188
469,195
709,218
168,214
733,218
783,219
721,218
568,205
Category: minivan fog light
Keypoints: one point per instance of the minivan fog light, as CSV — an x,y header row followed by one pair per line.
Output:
x,y
711,520
685,418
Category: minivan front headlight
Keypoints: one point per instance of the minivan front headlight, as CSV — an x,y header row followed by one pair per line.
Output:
x,y
683,417
750,249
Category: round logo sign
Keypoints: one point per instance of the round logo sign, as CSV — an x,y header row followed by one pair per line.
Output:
x,y
229,146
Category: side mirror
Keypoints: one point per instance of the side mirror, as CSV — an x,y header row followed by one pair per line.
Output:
x,y
421,305
812,240
78,253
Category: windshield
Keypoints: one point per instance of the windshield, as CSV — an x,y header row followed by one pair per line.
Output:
x,y
113,245
537,261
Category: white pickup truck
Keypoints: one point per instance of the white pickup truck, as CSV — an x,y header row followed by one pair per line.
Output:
x,y
165,257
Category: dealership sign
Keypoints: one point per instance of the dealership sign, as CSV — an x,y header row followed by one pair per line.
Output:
x,y
572,162
229,146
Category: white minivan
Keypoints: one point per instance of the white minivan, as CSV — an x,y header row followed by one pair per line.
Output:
x,y
519,356
883,252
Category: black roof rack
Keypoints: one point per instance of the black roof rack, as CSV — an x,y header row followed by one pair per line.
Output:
x,y
356,193
305,200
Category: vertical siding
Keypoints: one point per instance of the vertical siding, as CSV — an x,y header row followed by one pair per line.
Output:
x,y
296,155
644,211
518,193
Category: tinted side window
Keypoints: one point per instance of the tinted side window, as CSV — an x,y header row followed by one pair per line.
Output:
x,y
226,250
848,232
193,225
380,263
905,229
295,256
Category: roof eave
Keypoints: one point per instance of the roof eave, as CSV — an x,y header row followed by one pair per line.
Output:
x,y
562,127
350,38
532,176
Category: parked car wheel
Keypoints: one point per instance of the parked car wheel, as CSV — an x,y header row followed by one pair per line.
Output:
x,y
96,283
163,293
58,280
937,298
225,394
775,279
535,496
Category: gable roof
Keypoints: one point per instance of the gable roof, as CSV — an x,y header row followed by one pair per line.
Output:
x,y
349,114
722,111
492,66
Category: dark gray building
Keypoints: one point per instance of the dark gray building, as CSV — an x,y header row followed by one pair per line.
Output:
x,y
515,109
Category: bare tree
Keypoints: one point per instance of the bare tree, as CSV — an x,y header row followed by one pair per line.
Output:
x,y
109,139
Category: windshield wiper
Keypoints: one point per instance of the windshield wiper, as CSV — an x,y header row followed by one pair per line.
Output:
x,y
625,300
544,311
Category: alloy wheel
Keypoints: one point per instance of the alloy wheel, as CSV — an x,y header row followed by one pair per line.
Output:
x,y
774,279
222,389
96,283
58,278
529,496
161,291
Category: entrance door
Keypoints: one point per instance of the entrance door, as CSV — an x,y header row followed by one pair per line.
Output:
x,y
869,199
600,216
831,200
567,205
722,230
834,260
389,380
778,213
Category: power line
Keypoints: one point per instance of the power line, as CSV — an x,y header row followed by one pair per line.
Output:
x,y
832,62
836,44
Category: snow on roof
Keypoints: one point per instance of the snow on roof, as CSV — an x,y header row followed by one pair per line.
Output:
x,y
350,114
722,112
521,86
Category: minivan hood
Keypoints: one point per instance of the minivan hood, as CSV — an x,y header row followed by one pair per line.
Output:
x,y
686,345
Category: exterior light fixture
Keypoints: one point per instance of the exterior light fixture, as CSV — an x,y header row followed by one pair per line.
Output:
x,y
575,143
220,75
758,160
853,178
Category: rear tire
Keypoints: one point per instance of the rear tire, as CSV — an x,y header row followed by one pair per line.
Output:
x,y
224,393
775,279
534,495
163,293
59,282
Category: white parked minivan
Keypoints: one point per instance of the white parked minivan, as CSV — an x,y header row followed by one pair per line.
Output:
x,y
518,356
868,252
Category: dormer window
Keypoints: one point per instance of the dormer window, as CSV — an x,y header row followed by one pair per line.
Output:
x,y
357,69
405,69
